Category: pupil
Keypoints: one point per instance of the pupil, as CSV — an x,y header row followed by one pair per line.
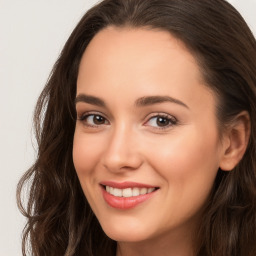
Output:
x,y
161,121
98,120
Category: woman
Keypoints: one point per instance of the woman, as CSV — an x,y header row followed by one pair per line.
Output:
x,y
146,135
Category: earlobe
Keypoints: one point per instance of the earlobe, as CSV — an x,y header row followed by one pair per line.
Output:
x,y
236,141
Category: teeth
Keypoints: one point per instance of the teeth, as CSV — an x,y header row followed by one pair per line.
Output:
x,y
143,191
135,192
128,192
150,190
117,192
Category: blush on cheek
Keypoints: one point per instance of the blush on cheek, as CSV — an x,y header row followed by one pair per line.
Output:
x,y
187,159
83,153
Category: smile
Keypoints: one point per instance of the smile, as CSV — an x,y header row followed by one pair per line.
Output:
x,y
128,192
126,195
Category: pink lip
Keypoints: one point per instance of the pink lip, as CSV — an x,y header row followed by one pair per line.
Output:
x,y
126,184
125,203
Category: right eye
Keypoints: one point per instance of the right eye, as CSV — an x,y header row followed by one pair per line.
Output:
x,y
93,120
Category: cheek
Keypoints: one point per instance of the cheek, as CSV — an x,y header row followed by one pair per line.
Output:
x,y
182,152
188,167
86,152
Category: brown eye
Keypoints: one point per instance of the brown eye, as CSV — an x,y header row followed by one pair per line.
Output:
x,y
162,121
93,120
98,120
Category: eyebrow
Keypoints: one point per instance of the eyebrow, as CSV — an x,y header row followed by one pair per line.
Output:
x,y
151,100
90,100
141,102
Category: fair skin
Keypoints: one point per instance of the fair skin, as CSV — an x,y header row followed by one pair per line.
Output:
x,y
170,144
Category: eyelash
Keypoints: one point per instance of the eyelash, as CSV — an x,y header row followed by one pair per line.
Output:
x,y
172,121
83,118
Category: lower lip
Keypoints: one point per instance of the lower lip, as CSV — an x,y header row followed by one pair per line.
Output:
x,y
125,203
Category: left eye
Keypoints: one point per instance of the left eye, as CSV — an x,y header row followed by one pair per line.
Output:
x,y
161,121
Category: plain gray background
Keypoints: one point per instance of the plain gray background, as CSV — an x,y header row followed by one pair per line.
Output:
x,y
32,34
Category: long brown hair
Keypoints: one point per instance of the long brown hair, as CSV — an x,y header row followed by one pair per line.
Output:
x,y
59,218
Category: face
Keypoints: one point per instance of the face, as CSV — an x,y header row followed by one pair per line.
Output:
x,y
146,144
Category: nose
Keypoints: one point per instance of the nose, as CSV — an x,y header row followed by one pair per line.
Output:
x,y
122,152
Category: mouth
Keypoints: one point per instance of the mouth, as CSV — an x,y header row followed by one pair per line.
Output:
x,y
128,192
126,195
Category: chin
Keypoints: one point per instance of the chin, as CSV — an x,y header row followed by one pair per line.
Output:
x,y
125,237
126,233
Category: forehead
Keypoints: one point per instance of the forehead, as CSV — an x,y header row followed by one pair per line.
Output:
x,y
143,47
130,62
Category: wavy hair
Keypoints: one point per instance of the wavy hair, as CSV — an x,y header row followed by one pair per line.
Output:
x,y
59,218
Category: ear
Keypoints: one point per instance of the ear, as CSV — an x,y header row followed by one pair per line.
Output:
x,y
235,141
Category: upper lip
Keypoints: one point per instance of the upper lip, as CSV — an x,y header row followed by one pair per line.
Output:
x,y
126,184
